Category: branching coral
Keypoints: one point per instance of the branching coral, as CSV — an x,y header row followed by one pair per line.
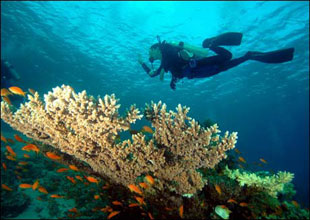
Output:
x,y
270,184
86,128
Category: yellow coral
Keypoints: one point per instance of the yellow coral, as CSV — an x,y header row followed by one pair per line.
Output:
x,y
86,128
270,184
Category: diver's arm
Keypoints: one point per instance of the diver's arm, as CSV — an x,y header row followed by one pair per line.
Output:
x,y
198,51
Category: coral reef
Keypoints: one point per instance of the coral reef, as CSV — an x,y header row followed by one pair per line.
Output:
x,y
87,128
271,184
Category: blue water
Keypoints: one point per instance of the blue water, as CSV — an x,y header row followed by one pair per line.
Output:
x,y
95,45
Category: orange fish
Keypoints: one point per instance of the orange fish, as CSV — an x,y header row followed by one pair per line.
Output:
x,y
11,141
181,211
31,91
241,159
140,200
237,151
79,178
232,201
133,205
147,129
150,215
11,151
43,190
25,185
30,147
71,179
23,163
92,179
73,210
218,189
295,203
60,170
243,204
35,185
3,139
52,156
117,203
26,156
7,100
5,92
9,157
72,167
150,179
135,189
19,139
56,196
6,187
4,166
263,160
106,209
144,185
16,90
114,213
96,197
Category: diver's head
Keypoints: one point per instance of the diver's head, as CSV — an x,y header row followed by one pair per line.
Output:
x,y
155,53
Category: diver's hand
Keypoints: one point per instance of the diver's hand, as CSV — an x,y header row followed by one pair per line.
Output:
x,y
140,59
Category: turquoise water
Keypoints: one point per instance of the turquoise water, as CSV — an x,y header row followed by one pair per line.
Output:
x,y
95,46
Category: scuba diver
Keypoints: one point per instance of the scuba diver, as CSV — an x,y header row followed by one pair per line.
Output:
x,y
184,60
8,74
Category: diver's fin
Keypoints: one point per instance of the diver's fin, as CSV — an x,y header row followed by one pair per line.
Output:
x,y
277,56
226,39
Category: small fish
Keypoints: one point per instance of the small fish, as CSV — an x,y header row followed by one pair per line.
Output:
x,y
52,156
39,198
43,190
150,215
181,211
79,178
218,189
26,156
140,200
117,203
60,170
4,166
23,163
147,129
30,147
243,204
31,91
106,209
73,210
19,139
35,185
135,189
72,167
232,201
5,92
106,186
237,151
25,186
168,209
263,160
56,196
11,141
7,100
17,91
3,139
149,179
133,205
10,150
71,179
9,157
96,197
295,203
144,185
241,159
114,213
92,179
133,131
6,187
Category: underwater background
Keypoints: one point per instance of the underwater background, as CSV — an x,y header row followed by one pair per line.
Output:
x,y
94,46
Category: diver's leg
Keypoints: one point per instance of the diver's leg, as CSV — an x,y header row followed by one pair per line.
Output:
x,y
222,56
234,62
